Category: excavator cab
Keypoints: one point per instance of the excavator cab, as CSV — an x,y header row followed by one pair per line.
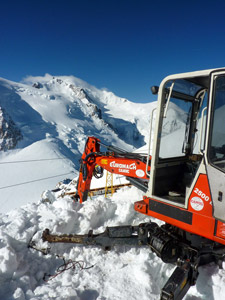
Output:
x,y
188,156
179,139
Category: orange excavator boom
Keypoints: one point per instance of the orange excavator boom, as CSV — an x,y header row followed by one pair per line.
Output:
x,y
116,161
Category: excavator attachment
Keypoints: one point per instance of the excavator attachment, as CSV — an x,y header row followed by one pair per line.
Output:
x,y
114,160
183,277
171,245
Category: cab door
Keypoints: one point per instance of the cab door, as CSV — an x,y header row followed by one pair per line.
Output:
x,y
215,151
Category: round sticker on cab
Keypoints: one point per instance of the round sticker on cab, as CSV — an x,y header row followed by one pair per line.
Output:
x,y
197,203
140,173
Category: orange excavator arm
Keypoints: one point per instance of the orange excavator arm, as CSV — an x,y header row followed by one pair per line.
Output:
x,y
116,160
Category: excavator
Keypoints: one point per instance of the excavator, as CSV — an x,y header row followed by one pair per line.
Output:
x,y
182,177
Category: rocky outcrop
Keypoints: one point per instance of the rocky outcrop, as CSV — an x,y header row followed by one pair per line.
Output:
x,y
9,133
37,85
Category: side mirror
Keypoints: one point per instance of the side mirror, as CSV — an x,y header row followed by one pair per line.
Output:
x,y
154,89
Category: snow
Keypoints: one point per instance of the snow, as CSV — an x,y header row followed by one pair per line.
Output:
x,y
55,120
25,180
122,273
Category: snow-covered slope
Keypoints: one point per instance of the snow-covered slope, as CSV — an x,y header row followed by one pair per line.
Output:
x,y
50,119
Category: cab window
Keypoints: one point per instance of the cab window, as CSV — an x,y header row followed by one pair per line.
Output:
x,y
217,140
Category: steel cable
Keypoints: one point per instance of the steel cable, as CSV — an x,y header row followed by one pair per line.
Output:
x,y
35,180
31,160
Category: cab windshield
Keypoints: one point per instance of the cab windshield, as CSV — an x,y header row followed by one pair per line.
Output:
x,y
179,119
217,141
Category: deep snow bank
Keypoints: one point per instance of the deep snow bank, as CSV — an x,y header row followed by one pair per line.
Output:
x,y
122,273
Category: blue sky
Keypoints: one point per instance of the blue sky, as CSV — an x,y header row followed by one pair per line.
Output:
x,y
125,46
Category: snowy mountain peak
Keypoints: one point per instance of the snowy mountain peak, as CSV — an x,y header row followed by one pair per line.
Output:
x,y
54,115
